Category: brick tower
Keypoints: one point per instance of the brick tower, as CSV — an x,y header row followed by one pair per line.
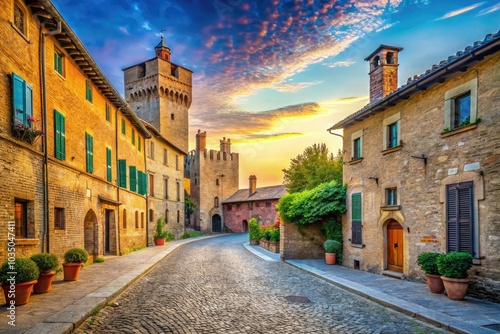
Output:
x,y
383,71
160,92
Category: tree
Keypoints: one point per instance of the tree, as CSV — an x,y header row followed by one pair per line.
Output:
x,y
312,168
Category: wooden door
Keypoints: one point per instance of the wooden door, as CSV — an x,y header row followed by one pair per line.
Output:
x,y
395,246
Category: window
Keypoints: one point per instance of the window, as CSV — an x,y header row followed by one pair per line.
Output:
x,y
172,117
217,182
391,196
356,145
88,91
22,101
142,180
165,157
238,206
459,217
392,135
20,19
460,105
166,188
89,147
216,201
178,191
178,216
268,204
389,58
139,143
122,173
108,113
133,178
177,162
58,62
59,221
356,211
142,219
124,127
151,215
167,214
250,206
229,207
109,170
137,219
257,204
151,185
124,219
151,150
21,218
133,137
59,135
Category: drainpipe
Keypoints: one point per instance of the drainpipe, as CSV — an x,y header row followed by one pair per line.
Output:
x,y
118,246
45,170
147,193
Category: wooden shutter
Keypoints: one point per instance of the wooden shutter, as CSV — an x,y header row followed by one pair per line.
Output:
x,y
22,100
109,171
122,173
356,210
459,217
140,187
89,144
133,178
60,136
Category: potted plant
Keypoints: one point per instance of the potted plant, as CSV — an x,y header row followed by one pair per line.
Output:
x,y
160,233
428,263
73,261
453,268
253,231
332,247
48,264
17,287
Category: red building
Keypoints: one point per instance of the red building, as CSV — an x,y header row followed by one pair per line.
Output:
x,y
259,203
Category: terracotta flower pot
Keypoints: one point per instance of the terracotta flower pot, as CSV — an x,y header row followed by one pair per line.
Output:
x,y
330,258
71,271
435,283
22,292
159,241
456,288
254,242
44,283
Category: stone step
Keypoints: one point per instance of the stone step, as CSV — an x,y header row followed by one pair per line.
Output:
x,y
393,274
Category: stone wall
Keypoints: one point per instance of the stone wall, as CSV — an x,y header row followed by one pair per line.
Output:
x,y
241,212
301,243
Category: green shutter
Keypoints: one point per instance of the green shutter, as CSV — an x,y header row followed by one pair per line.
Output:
x,y
124,128
108,113
356,206
58,63
133,178
122,173
140,183
109,171
133,137
139,143
88,91
89,145
60,135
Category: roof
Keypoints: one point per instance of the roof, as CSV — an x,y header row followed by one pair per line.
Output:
x,y
49,16
384,46
438,73
158,135
262,194
162,44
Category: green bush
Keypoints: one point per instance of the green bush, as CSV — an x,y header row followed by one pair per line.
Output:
x,y
274,235
428,262
98,260
454,265
254,230
76,255
186,235
332,246
266,233
160,232
26,271
46,262
169,236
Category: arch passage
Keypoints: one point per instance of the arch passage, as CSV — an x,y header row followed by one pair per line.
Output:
x,y
216,223
90,234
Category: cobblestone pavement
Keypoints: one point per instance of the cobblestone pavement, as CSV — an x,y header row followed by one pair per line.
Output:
x,y
217,286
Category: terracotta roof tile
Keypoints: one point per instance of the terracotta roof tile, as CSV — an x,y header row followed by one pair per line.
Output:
x,y
262,194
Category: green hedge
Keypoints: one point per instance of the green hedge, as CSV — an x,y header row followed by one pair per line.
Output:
x,y
454,265
26,271
254,232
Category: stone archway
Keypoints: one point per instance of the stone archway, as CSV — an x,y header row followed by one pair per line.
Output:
x,y
91,236
216,223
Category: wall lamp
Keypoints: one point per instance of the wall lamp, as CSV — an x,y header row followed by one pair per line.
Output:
x,y
422,157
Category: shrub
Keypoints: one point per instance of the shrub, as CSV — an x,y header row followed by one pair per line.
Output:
x,y
186,235
454,265
266,234
253,230
26,271
428,262
169,236
46,262
160,232
332,246
98,260
274,235
76,255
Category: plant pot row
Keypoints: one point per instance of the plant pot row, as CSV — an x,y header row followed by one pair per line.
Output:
x,y
272,246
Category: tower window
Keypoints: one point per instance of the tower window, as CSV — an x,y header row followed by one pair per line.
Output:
x,y
389,57
376,62
172,117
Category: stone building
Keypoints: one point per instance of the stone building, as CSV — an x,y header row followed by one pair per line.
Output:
x,y
160,92
422,166
259,203
213,177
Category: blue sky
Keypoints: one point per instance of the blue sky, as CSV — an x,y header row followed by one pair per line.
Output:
x,y
273,75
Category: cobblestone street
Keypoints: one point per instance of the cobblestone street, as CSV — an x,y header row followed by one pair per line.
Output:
x,y
217,286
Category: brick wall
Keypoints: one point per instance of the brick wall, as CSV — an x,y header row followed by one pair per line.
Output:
x,y
304,243
236,217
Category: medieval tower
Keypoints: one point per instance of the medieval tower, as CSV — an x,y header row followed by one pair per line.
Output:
x,y
214,176
160,92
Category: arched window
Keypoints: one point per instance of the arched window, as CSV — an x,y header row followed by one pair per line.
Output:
x,y
151,215
142,219
167,213
124,219
137,219
178,216
216,202
217,182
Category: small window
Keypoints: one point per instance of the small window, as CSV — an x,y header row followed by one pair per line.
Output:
x,y
356,149
137,219
461,112
166,188
392,135
376,62
268,204
165,157
249,206
124,127
151,215
172,117
177,162
151,185
195,182
133,137
217,182
178,192
178,216
216,202
151,150
124,218
21,218
88,90
89,146
59,220
167,215
108,113
142,219
391,196
139,143
59,62
389,57
20,18
257,204
229,207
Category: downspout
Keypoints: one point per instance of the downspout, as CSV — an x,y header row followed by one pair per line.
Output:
x,y
45,170
117,185
147,193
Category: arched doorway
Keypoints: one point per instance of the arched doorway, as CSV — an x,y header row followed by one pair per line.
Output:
x,y
395,246
216,223
90,234
245,225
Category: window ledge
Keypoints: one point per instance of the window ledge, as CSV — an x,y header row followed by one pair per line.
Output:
x,y
392,149
20,32
458,130
390,207
26,242
358,245
355,161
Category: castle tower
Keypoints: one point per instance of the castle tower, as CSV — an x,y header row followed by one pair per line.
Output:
x,y
160,92
383,71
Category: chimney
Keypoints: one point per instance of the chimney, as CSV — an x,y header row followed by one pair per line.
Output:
x,y
201,141
383,71
252,189
225,145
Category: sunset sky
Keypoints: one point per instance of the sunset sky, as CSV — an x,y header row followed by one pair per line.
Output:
x,y
274,75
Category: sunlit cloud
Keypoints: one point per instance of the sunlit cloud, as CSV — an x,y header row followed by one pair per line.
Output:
x,y
387,26
341,63
146,26
124,30
263,137
295,87
460,11
489,10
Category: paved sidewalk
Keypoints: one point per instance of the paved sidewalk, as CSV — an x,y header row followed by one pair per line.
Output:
x,y
70,303
414,299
